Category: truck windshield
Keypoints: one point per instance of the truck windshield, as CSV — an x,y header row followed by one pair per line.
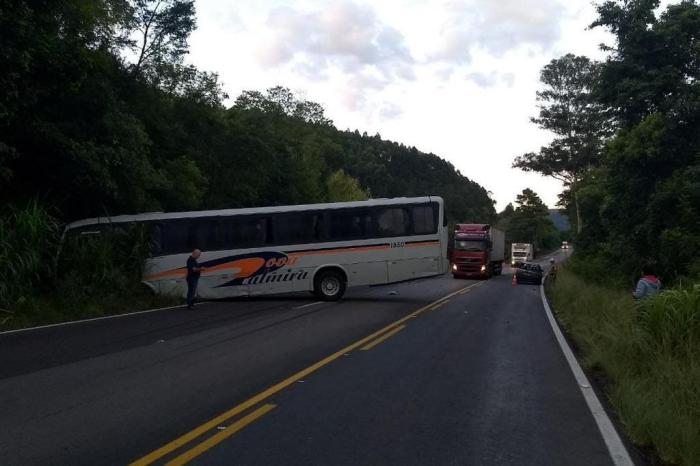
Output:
x,y
470,245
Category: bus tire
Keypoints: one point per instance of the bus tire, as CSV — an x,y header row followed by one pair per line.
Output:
x,y
329,285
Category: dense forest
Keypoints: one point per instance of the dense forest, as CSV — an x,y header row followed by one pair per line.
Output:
x,y
100,115
627,143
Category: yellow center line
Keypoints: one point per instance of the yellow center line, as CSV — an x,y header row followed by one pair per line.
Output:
x,y
193,434
214,440
386,336
437,306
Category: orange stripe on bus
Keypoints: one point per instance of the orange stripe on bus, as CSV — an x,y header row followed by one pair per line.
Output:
x,y
418,245
247,266
335,251
168,274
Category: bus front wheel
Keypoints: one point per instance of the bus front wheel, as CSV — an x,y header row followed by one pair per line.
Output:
x,y
329,285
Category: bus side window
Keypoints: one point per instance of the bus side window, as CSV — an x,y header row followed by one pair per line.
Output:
x,y
174,236
296,228
248,232
393,222
349,224
155,245
424,221
198,233
215,235
321,226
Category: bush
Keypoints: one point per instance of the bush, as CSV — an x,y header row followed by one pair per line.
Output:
x,y
601,269
650,353
29,239
45,280
108,263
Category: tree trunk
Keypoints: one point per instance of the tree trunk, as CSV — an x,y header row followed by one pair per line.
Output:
x,y
578,214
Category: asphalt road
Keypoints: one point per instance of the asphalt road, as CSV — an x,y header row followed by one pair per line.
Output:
x,y
477,378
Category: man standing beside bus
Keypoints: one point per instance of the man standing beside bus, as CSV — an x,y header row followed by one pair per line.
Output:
x,y
193,271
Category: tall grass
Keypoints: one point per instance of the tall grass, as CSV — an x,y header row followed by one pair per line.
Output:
x,y
92,275
29,238
649,352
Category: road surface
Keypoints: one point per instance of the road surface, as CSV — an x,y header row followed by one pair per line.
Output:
x,y
430,372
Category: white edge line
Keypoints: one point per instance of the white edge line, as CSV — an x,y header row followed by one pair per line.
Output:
x,y
308,305
72,322
616,448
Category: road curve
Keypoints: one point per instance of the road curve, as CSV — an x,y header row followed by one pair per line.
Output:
x,y
435,371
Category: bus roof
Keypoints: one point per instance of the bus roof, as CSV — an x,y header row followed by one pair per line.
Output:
x,y
155,216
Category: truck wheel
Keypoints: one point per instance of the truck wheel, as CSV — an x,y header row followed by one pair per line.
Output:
x,y
329,285
498,269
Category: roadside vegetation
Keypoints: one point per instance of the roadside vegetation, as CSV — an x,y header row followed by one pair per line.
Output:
x,y
627,148
648,354
45,280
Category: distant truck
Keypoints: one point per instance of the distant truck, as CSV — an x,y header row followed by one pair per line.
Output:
x,y
521,252
565,245
479,250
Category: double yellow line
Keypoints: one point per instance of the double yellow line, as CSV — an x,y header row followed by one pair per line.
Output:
x,y
366,343
215,439
384,337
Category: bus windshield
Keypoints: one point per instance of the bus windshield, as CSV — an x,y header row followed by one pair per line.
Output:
x,y
470,245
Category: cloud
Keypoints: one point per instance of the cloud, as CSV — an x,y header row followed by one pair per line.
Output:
x,y
445,73
344,35
496,27
491,79
389,111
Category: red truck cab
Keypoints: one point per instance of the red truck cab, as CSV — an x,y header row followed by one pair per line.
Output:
x,y
478,250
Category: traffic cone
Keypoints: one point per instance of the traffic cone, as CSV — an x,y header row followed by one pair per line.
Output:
x,y
514,281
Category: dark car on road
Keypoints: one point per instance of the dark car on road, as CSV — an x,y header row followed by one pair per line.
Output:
x,y
529,273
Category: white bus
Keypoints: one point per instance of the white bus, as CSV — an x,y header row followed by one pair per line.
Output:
x,y
322,248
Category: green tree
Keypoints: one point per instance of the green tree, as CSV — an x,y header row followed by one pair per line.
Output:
x,y
342,187
162,27
581,125
530,222
192,84
281,100
652,81
184,186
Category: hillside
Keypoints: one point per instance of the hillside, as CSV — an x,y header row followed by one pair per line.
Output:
x,y
560,219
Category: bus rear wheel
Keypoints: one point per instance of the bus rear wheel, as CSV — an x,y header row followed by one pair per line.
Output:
x,y
329,285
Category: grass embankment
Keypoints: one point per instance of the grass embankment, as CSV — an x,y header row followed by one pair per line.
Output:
x,y
46,279
55,308
650,355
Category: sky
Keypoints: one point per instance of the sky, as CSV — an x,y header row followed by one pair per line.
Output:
x,y
456,78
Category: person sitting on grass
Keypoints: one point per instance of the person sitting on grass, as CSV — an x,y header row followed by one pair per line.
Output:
x,y
648,285
553,269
